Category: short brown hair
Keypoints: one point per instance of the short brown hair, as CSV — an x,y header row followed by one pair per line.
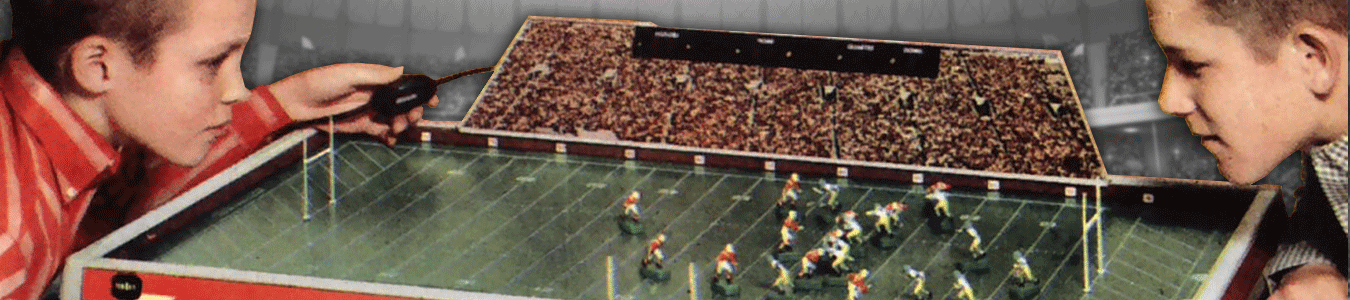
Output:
x,y
46,29
1263,22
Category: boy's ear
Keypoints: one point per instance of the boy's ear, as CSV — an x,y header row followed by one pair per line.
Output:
x,y
1318,57
90,65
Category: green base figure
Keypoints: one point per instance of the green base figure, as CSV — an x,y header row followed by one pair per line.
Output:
x,y
978,265
942,225
628,226
888,241
1024,291
788,256
777,296
835,281
925,295
655,274
807,284
726,290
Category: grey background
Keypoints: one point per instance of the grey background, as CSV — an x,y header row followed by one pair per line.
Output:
x,y
1115,64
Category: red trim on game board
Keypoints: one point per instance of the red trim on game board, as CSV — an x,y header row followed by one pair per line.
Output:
x,y
98,286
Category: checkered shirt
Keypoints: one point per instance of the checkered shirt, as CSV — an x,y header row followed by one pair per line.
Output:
x,y
1329,161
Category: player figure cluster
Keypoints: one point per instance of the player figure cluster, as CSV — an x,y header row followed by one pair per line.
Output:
x,y
831,262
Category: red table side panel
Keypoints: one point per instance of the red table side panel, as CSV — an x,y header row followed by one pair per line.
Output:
x,y
98,286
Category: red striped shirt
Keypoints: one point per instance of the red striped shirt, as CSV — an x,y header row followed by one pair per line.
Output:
x,y
56,167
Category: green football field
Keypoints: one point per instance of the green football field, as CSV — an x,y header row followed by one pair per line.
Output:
x,y
543,225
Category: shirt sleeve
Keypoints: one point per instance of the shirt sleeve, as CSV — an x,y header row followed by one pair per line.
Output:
x,y
1289,257
253,125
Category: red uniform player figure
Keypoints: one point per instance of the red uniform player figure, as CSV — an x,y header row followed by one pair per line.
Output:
x,y
937,193
787,235
788,199
654,255
857,285
809,262
630,221
630,206
653,265
726,264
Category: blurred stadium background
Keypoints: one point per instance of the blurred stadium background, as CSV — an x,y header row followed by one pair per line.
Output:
x,y
1116,66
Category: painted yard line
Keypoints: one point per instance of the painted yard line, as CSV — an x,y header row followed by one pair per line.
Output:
x,y
297,226
543,225
910,237
578,233
611,239
1169,237
477,186
1044,230
735,241
1208,242
769,252
1163,250
384,196
499,227
1147,273
948,244
422,196
690,242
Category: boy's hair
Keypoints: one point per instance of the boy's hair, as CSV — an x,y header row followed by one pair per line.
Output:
x,y
46,29
1263,22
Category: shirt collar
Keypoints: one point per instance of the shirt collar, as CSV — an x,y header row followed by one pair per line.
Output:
x,y
1329,161
80,156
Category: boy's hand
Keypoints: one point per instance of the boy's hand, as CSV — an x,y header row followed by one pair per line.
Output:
x,y
335,89
1311,282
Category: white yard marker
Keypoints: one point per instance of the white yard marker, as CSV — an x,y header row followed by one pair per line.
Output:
x,y
629,153
700,160
770,165
841,172
492,142
560,148
918,178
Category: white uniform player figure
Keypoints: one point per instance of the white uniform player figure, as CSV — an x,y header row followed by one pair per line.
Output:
x,y
831,202
848,221
962,287
1021,272
920,291
975,249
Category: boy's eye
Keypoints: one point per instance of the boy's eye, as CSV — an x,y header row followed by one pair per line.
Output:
x,y
1190,67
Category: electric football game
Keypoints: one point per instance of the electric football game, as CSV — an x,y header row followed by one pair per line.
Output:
x,y
623,160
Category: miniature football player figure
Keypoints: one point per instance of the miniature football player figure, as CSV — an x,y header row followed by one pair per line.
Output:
x,y
831,202
809,262
839,250
857,285
1021,272
726,264
937,192
848,221
919,291
787,235
783,283
888,217
654,254
630,206
962,287
975,249
788,199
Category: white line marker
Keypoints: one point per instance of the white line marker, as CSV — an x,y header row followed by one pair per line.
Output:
x,y
1048,224
597,185
741,197
667,192
455,172
525,179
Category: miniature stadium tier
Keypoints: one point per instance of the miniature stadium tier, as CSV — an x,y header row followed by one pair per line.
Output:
x,y
790,117
876,118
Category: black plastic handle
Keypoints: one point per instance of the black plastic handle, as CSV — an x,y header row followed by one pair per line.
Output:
x,y
402,95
